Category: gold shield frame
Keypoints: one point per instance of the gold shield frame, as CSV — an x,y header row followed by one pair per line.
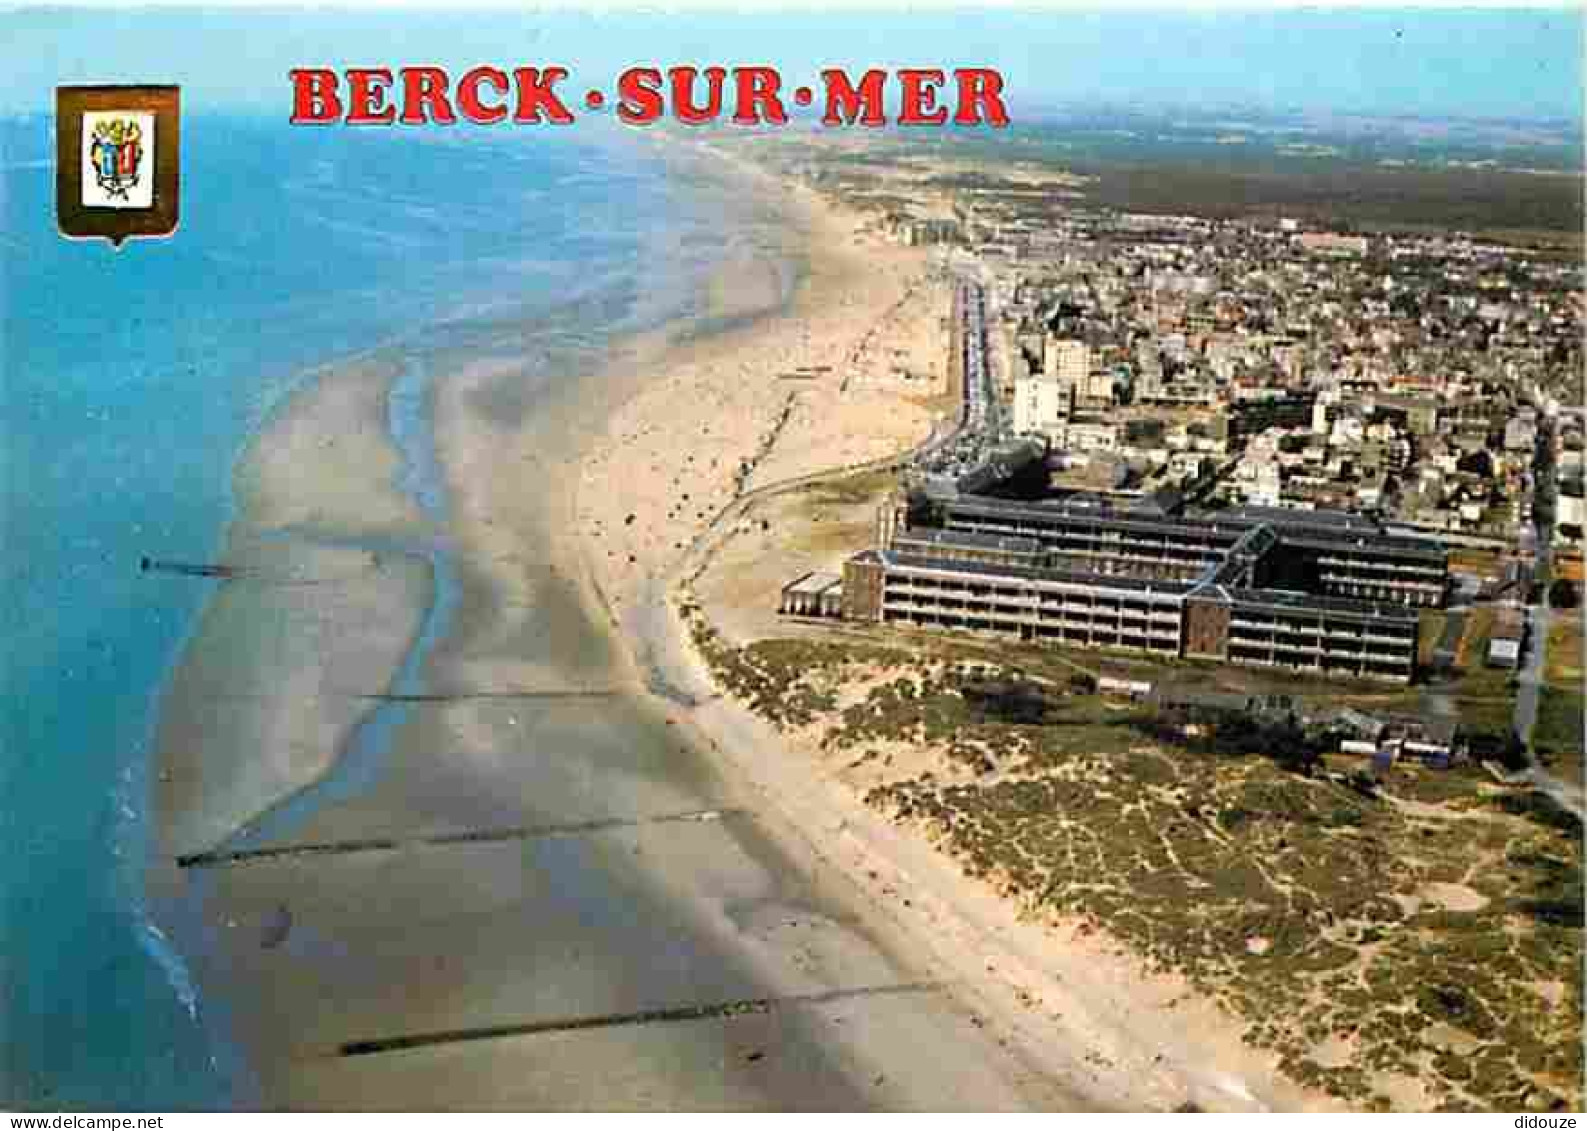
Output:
x,y
82,221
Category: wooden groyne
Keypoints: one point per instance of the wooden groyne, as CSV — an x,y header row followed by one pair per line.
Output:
x,y
724,1009
191,569
221,858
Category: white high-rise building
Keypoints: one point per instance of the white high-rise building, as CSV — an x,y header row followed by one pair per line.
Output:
x,y
1097,386
1040,404
1319,417
1267,490
1066,360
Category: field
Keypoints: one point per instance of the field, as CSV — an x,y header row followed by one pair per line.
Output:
x,y
1149,164
1429,631
1415,945
1564,666
1558,737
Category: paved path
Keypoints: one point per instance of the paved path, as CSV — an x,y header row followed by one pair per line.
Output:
x,y
1531,680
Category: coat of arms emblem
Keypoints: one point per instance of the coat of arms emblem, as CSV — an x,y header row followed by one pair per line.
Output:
x,y
116,155
117,168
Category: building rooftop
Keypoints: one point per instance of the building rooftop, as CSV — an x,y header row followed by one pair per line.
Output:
x,y
1310,529
1094,513
969,539
1091,579
813,584
1294,516
1249,550
1287,600
1322,529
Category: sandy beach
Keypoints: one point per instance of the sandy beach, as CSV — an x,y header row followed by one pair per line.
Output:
x,y
559,868
1080,1007
538,888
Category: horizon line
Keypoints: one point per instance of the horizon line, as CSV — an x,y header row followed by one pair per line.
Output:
x,y
737,7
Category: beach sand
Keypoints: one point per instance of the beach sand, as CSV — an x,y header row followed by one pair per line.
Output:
x,y
1082,1010
574,875
543,890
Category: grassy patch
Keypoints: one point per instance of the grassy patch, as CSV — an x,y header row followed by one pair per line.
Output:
x,y
1563,666
1485,700
1559,724
1297,903
1558,737
1429,631
1472,650
1432,929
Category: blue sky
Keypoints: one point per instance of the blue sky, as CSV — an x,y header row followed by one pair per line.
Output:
x,y
1427,62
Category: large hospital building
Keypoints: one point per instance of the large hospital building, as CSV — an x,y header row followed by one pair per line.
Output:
x,y
1311,591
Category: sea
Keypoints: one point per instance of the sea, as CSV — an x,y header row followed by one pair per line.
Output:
x,y
130,382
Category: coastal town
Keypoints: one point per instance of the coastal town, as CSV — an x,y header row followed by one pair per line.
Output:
x,y
957,650
1228,608
805,559
1248,441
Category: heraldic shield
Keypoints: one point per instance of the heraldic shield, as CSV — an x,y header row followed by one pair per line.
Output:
x,y
118,160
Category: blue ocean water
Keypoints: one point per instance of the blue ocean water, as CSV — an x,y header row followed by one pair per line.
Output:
x,y
129,382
